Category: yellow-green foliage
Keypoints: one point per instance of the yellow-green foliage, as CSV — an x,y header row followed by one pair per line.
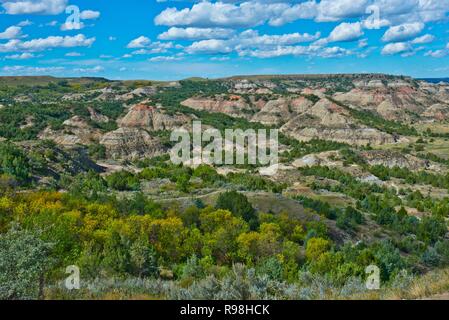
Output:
x,y
97,236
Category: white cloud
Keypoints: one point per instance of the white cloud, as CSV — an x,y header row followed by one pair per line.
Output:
x,y
254,13
26,70
41,44
251,43
312,50
363,43
72,26
12,32
249,40
278,52
164,59
22,56
175,33
89,15
334,10
84,15
304,10
146,46
427,38
437,53
156,47
395,48
206,14
150,51
396,7
403,32
25,23
433,10
252,38
334,52
73,54
212,46
95,69
346,32
223,58
53,23
50,7
140,42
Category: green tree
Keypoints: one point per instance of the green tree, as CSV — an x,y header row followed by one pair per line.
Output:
x,y
239,205
13,162
143,259
316,247
123,181
24,260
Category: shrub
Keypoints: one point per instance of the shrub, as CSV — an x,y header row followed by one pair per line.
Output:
x,y
239,205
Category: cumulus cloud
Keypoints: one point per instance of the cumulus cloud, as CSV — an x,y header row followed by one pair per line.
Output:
x,y
304,10
278,52
25,23
73,54
146,46
72,26
212,46
251,44
12,32
363,43
221,59
165,58
396,48
50,7
346,32
427,38
175,33
206,14
95,69
403,32
84,15
140,42
26,70
22,56
249,40
332,52
41,44
432,10
254,13
436,53
89,15
334,10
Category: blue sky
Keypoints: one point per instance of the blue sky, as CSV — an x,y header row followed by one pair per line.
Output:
x,y
166,40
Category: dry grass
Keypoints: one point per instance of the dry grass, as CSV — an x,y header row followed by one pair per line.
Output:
x,y
435,127
429,285
434,285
